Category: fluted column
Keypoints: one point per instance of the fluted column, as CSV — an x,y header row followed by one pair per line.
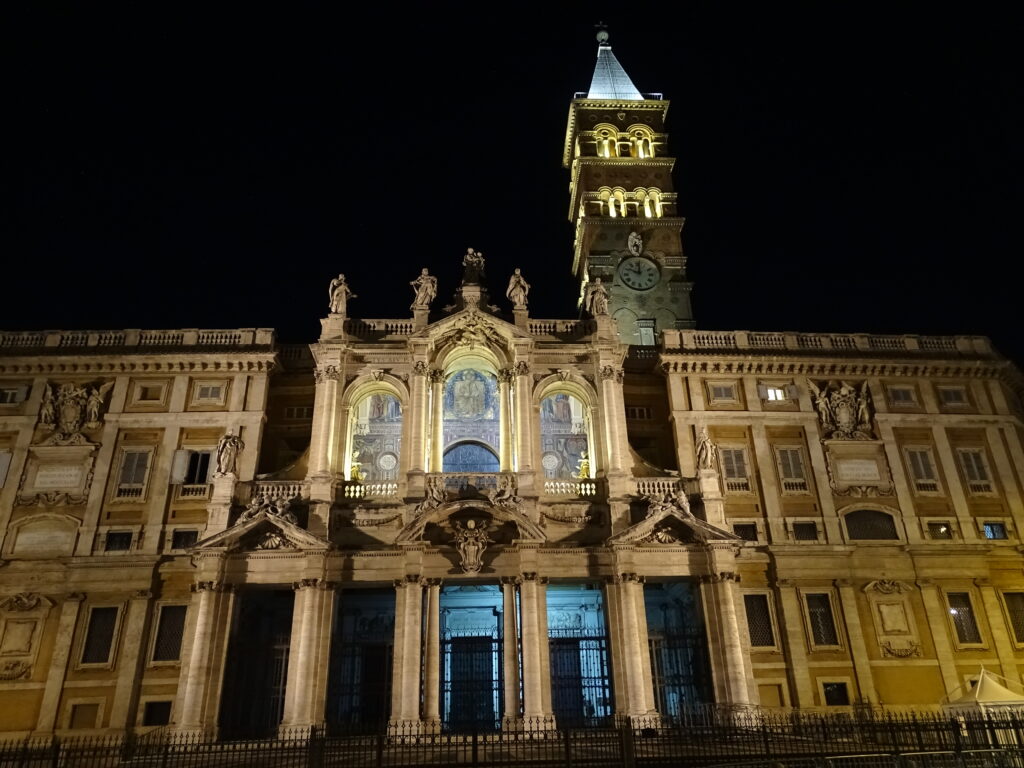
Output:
x,y
505,377
308,653
635,652
436,420
432,660
719,597
536,670
202,670
322,439
408,638
510,649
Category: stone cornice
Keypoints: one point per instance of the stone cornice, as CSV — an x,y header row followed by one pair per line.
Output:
x,y
754,362
148,362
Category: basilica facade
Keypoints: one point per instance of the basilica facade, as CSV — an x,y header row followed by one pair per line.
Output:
x,y
470,518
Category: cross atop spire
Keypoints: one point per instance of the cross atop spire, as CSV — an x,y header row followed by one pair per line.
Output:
x,y
610,79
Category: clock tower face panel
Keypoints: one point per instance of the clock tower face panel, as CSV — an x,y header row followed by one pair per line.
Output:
x,y
639,273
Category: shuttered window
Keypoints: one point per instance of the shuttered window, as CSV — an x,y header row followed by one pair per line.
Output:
x,y
759,621
922,470
734,467
169,631
1015,611
99,635
131,480
975,470
791,470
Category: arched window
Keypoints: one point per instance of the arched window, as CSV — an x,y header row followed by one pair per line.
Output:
x,y
472,427
470,457
564,435
376,438
868,524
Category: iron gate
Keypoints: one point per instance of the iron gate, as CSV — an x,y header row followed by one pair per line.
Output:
x,y
679,667
471,681
580,684
362,657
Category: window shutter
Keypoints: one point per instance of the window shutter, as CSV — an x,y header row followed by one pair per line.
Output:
x,y
792,392
792,466
133,471
762,391
921,465
22,393
203,469
179,467
5,465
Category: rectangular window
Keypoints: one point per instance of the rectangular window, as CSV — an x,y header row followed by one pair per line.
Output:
x,y
975,468
994,530
821,619
1015,612
746,531
13,395
645,330
117,541
836,694
791,470
83,716
150,393
131,481
184,539
722,392
169,631
638,412
156,713
940,530
902,397
190,471
208,392
99,635
962,613
805,531
953,396
734,467
775,394
759,621
922,470
298,412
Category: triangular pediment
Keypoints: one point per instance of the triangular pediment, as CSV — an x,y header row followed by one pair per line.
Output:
x,y
265,531
463,325
671,527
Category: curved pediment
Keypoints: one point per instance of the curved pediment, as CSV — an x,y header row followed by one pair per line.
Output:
x,y
500,513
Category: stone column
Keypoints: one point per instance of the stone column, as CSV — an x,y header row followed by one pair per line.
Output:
x,y
505,377
130,661
635,652
614,418
308,653
509,650
69,611
718,593
938,624
522,392
1000,635
323,439
406,670
418,416
202,668
437,420
536,673
432,658
858,647
795,644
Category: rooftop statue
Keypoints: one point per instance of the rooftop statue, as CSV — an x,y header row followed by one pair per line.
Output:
x,y
472,267
425,288
596,298
340,293
517,290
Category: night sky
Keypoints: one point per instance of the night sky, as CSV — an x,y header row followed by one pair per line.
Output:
x,y
841,167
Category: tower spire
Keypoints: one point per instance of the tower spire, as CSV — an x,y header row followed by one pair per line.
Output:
x,y
610,80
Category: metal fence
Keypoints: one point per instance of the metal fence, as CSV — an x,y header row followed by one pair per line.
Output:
x,y
699,738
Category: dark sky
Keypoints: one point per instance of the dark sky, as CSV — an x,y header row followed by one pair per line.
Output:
x,y
841,167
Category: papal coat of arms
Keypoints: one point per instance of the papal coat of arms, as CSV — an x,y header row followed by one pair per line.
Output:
x,y
843,410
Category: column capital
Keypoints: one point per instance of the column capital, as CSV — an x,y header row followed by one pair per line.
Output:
x,y
521,368
513,580
506,375
142,594
983,582
436,376
843,583
785,584
212,586
533,576
722,576
322,584
629,578
610,373
326,373
432,582
925,583
410,580
74,597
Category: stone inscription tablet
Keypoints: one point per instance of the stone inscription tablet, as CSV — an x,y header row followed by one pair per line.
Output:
x,y
857,470
59,476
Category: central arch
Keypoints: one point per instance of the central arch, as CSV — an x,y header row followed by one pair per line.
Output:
x,y
470,456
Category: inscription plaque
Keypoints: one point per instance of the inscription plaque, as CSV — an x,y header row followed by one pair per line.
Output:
x,y
59,476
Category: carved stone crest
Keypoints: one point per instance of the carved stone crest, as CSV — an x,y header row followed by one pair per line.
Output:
x,y
12,670
635,243
23,601
274,507
470,540
844,411
472,331
68,409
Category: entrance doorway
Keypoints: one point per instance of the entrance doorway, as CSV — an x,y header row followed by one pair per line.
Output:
x,y
359,677
471,658
252,703
578,648
679,647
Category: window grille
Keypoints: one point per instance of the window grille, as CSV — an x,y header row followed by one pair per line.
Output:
x,y
805,531
791,470
836,694
169,631
298,412
156,713
975,470
1015,610
871,524
922,470
734,466
209,392
994,530
118,541
132,479
823,623
723,393
746,531
963,617
759,621
99,636
940,530
184,539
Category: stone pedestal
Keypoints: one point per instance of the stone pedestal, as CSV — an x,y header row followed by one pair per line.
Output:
x,y
521,318
711,494
332,327
420,318
218,511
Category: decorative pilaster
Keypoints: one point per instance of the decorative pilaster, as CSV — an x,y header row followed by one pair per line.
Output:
x,y
858,648
1000,635
418,416
129,665
522,392
308,654
510,650
505,378
69,611
938,623
432,659
322,439
536,670
408,637
436,420
202,668
614,419
635,653
796,646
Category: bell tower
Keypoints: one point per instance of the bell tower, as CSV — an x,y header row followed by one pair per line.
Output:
x,y
623,203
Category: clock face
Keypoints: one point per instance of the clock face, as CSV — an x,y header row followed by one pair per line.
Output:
x,y
639,273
